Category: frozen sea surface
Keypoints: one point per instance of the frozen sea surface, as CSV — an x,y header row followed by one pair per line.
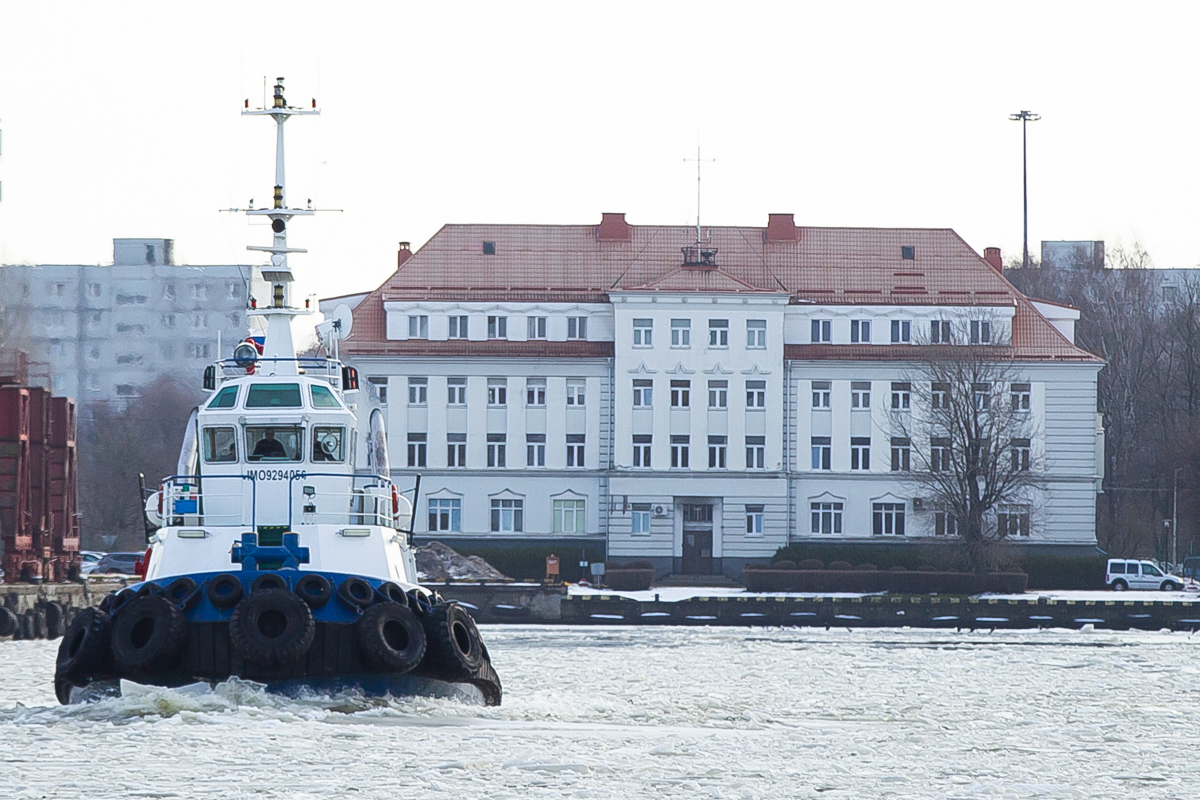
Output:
x,y
656,712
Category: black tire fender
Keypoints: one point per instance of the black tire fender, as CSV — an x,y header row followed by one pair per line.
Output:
x,y
356,592
391,637
391,591
84,650
8,622
454,647
272,628
182,592
268,581
120,600
314,589
224,591
148,634
54,619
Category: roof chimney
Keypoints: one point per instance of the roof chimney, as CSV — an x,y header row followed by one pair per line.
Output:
x,y
613,227
403,254
781,228
992,256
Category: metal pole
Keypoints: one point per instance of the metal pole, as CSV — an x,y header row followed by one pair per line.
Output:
x,y
1175,519
1025,117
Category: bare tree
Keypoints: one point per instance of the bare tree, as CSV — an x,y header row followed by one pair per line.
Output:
x,y
973,448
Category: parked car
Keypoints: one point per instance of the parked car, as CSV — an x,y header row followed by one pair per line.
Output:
x,y
88,559
116,563
1122,574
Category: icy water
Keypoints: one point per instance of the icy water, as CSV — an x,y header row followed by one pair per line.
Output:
x,y
656,712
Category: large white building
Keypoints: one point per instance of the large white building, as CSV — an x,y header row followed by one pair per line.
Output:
x,y
700,407
105,331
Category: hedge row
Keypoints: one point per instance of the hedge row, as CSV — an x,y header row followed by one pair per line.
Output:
x,y
529,563
757,579
629,580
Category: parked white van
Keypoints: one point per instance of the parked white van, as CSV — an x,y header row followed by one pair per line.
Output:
x,y
1125,574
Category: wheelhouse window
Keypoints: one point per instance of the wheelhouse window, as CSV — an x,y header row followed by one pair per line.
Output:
x,y
321,398
220,445
329,443
274,442
276,395
226,398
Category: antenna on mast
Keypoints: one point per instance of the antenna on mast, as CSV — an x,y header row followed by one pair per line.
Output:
x,y
698,255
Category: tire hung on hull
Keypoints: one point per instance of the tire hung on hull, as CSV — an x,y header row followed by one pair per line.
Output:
x,y
84,649
454,647
224,591
148,634
390,637
272,628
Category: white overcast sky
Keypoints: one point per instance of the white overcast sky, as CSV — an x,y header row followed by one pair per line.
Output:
x,y
121,120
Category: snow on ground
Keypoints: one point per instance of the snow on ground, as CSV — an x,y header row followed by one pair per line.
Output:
x,y
599,713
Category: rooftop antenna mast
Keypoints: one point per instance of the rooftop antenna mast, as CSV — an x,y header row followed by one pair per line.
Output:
x,y
699,256
278,275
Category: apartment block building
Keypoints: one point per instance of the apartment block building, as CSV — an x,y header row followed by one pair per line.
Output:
x,y
700,404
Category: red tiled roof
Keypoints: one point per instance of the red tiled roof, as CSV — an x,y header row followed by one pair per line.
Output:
x,y
575,263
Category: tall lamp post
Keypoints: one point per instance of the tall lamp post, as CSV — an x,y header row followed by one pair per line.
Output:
x,y
1025,117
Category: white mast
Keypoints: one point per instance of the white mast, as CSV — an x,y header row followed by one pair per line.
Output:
x,y
278,310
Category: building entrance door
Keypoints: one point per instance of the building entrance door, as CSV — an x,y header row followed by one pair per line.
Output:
x,y
698,539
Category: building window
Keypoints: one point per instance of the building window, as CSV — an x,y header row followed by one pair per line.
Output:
x,y
537,328
94,289
1020,397
756,452
939,395
199,291
458,327
860,331
497,389
718,394
496,450
718,333
535,449
860,394
939,455
418,391
939,332
497,327
416,449
821,452
754,520
233,291
489,248
681,333
456,390
575,443
901,331
908,252
168,320
569,516
679,452
860,453
901,454
445,515
981,332
822,331
981,394
826,517
1020,455
681,394
535,392
643,393
576,391
380,387
716,452
756,334
901,396
1012,521
756,394
418,326
577,327
456,449
820,394
944,523
641,450
508,516
641,518
888,519
643,333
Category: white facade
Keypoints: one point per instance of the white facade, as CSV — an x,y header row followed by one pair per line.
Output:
x,y
698,421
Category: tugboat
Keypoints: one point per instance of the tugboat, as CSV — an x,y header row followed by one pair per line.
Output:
x,y
272,558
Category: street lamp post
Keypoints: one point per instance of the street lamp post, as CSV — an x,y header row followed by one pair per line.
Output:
x,y
1025,117
1175,517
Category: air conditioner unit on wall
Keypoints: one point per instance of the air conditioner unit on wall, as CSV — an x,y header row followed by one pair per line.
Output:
x,y
660,511
918,504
